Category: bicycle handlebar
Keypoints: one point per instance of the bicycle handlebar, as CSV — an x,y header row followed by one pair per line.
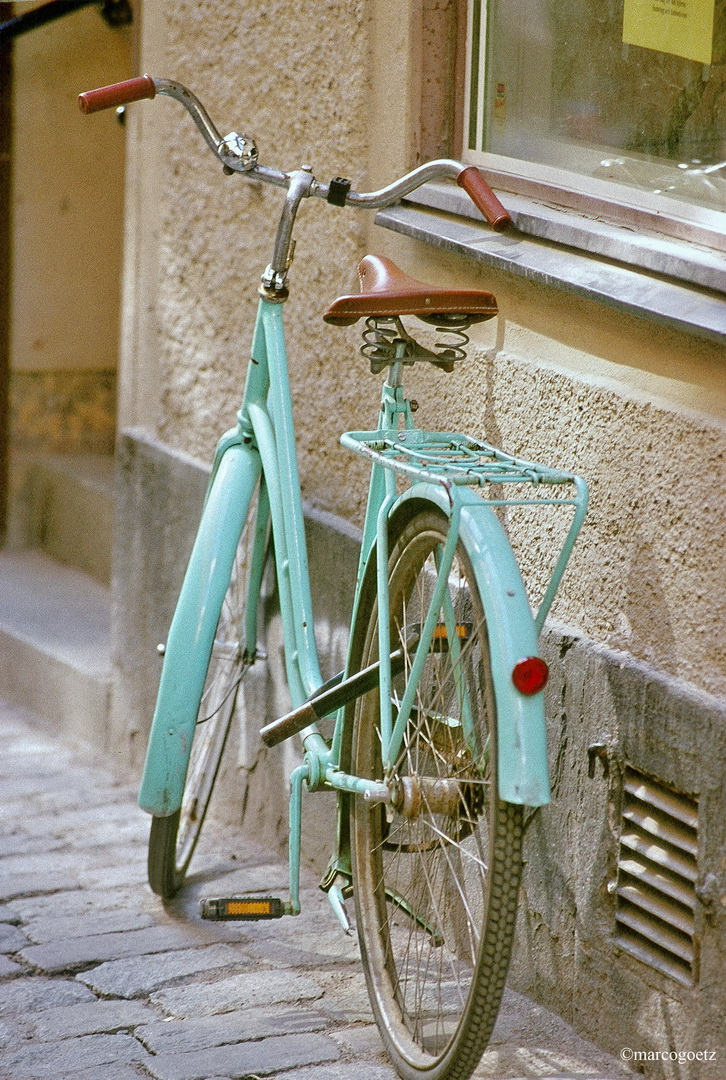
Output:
x,y
117,94
239,154
484,199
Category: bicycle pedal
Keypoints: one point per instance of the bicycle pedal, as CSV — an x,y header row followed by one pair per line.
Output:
x,y
243,908
440,636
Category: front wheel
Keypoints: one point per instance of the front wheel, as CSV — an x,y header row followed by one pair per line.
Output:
x,y
173,839
436,875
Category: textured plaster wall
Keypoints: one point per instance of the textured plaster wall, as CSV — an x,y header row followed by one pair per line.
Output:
x,y
283,81
67,204
637,409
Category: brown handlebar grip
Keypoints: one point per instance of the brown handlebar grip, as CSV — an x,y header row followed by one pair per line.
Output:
x,y
106,97
484,198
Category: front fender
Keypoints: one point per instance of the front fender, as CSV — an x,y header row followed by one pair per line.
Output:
x,y
521,729
191,634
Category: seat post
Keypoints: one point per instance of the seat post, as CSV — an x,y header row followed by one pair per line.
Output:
x,y
394,402
395,369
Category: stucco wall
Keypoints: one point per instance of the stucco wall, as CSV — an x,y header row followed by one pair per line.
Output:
x,y
67,197
215,233
636,408
649,436
67,232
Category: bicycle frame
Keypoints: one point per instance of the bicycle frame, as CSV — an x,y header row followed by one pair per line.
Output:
x,y
265,434
261,450
460,736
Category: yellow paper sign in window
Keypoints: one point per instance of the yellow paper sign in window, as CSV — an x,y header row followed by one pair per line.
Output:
x,y
680,27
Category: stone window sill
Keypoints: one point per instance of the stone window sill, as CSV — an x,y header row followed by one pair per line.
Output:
x,y
677,284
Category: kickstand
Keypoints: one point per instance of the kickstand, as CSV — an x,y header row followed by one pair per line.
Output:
x,y
337,901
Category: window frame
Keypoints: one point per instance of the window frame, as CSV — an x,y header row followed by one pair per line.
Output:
x,y
616,203
649,257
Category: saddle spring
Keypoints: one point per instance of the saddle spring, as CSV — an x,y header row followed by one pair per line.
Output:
x,y
384,334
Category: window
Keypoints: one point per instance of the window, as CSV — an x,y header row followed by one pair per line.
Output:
x,y
589,94
609,152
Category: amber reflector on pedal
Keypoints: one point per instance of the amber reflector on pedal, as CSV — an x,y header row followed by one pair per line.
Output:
x,y
462,630
242,907
248,907
530,675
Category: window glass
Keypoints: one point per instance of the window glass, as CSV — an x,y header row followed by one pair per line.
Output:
x,y
632,91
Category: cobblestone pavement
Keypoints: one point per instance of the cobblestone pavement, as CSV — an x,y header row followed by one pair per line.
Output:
x,y
99,981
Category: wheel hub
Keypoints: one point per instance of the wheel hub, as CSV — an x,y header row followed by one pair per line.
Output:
x,y
412,796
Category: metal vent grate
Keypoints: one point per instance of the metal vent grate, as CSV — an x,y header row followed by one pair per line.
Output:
x,y
657,869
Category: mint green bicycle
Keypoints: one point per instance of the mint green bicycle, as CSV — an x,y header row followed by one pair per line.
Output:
x,y
439,737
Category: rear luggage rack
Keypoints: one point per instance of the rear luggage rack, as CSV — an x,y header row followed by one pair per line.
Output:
x,y
448,458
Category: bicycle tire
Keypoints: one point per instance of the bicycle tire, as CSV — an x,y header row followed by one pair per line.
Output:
x,y
436,886
173,839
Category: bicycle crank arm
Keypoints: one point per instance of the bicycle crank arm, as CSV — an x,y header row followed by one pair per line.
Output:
x,y
329,701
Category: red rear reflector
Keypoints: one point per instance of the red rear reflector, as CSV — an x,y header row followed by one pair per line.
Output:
x,y
530,675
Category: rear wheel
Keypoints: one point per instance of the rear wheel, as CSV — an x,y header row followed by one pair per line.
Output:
x,y
436,878
173,839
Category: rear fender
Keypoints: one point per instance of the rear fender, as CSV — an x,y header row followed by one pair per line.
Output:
x,y
521,729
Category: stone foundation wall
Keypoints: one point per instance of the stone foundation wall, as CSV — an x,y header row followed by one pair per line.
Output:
x,y
59,412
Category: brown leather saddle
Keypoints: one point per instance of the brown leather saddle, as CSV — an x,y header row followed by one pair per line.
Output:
x,y
385,291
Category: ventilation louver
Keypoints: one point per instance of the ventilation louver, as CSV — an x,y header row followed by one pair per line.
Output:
x,y
657,869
